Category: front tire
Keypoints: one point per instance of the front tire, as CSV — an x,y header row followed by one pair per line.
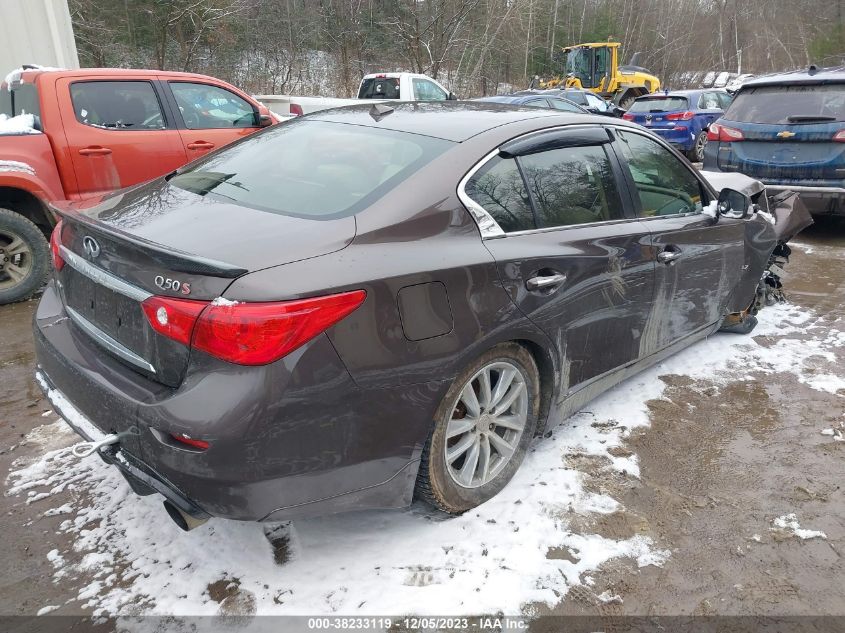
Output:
x,y
482,430
24,257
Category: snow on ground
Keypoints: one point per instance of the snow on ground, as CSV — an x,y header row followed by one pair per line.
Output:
x,y
789,523
492,559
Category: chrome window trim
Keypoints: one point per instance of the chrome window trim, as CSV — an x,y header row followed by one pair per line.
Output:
x,y
487,225
102,277
107,341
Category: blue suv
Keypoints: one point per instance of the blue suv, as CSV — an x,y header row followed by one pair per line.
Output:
x,y
681,117
787,130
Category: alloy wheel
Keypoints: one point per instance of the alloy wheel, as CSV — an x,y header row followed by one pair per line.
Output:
x,y
15,259
486,424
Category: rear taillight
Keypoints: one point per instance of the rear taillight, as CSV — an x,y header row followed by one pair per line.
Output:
x,y
724,134
680,116
248,333
174,318
296,109
628,117
839,137
55,243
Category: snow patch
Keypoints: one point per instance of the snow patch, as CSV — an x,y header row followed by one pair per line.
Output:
x,y
789,523
220,301
20,124
47,609
711,209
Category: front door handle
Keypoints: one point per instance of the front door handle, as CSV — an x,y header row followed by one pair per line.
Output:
x,y
668,256
201,145
95,150
545,282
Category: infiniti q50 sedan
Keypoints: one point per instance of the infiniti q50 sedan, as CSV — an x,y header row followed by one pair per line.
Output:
x,y
376,302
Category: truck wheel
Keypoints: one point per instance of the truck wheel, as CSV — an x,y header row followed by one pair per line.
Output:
x,y
24,257
482,430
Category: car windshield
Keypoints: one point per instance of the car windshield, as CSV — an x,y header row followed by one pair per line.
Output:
x,y
659,104
789,104
311,169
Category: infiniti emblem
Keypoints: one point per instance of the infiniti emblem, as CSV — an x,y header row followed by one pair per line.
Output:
x,y
92,248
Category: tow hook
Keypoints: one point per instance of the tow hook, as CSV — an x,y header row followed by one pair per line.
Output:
x,y
84,449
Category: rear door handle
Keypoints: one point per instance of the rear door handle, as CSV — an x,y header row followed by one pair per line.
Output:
x,y
201,145
95,150
545,282
669,255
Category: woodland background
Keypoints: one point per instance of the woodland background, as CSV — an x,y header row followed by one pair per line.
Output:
x,y
475,47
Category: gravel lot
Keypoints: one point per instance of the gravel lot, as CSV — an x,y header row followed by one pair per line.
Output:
x,y
710,484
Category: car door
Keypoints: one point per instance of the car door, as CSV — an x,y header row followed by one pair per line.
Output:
x,y
699,256
118,133
571,257
210,116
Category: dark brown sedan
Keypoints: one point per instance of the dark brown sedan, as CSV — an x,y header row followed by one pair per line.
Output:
x,y
374,302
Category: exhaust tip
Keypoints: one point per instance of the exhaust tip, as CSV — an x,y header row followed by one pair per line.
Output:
x,y
185,521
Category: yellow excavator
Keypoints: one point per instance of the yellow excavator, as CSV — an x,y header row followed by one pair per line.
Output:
x,y
595,67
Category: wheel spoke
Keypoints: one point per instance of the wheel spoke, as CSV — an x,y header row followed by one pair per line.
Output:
x,y
505,403
506,377
502,447
484,459
484,383
468,469
469,398
453,452
513,422
459,427
15,272
17,247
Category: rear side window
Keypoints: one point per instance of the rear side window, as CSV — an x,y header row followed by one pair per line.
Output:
x,y
659,104
379,88
206,107
311,169
789,104
709,101
664,184
498,187
21,100
118,105
573,185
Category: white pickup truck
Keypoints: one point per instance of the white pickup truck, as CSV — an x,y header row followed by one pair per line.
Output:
x,y
374,87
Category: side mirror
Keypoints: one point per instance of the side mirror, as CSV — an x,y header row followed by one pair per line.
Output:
x,y
265,120
733,204
593,110
452,97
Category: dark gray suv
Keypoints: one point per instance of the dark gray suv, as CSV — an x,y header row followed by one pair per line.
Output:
x,y
369,302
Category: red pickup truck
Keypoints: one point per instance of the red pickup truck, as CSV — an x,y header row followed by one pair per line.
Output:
x,y
72,135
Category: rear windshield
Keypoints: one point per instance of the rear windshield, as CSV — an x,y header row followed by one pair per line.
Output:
x,y
379,88
659,104
21,100
312,169
789,104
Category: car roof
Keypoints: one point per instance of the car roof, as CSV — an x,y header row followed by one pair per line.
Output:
x,y
677,93
515,98
811,75
450,120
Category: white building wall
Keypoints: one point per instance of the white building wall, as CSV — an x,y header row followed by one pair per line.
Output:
x,y
36,32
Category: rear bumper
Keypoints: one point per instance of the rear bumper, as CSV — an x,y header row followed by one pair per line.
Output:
x,y
294,438
819,200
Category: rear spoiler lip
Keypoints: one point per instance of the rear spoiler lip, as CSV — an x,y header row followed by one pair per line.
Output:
x,y
170,258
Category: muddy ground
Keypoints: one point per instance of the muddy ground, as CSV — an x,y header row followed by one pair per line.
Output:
x,y
718,466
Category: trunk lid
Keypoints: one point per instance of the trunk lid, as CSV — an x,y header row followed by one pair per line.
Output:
x,y
160,240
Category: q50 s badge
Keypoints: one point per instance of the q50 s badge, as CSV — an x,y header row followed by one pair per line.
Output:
x,y
166,283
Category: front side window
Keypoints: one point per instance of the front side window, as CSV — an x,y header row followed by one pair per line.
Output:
x,y
205,107
565,106
117,105
498,188
572,185
427,91
709,101
665,186
724,100
595,102
311,169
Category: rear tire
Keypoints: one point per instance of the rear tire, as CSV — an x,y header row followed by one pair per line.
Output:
x,y
471,413
24,257
696,154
